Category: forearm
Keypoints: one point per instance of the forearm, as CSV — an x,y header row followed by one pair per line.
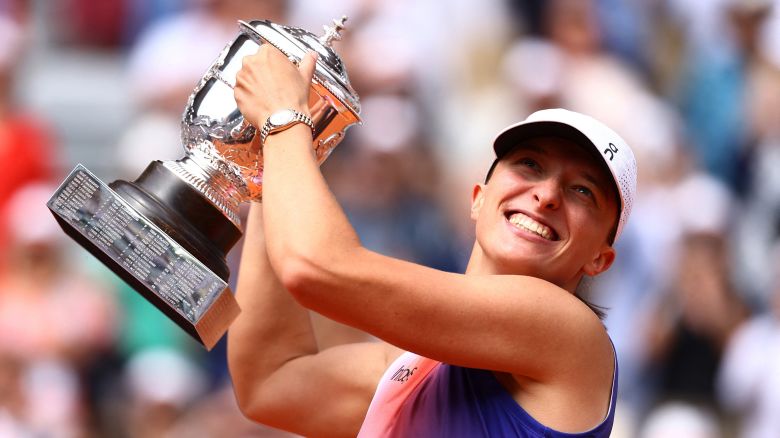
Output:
x,y
272,328
303,221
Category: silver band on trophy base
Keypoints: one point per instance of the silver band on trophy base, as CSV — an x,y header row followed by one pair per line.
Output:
x,y
166,233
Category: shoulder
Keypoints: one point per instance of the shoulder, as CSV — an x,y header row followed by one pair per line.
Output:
x,y
567,331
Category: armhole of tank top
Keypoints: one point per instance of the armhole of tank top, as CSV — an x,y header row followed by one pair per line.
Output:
x,y
542,428
613,390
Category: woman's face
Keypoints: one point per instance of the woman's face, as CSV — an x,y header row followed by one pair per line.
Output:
x,y
547,211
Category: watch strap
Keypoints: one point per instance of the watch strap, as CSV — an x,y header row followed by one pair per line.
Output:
x,y
298,117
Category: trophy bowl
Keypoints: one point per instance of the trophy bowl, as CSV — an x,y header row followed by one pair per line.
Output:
x,y
167,233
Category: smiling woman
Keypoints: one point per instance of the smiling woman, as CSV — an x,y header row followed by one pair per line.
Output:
x,y
504,349
617,171
567,186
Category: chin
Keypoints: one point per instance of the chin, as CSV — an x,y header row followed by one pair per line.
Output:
x,y
529,264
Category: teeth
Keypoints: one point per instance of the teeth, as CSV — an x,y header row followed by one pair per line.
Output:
x,y
522,221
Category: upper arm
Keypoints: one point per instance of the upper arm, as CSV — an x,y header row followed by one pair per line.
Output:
x,y
327,393
517,324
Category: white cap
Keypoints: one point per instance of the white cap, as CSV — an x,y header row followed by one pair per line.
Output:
x,y
583,130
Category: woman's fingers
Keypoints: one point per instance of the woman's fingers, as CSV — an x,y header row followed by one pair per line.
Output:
x,y
307,66
268,81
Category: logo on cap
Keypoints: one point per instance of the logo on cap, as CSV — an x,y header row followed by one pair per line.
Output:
x,y
611,151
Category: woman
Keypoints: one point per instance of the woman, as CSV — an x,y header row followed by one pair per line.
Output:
x,y
505,349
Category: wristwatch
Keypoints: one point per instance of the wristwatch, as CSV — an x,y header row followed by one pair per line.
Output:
x,y
281,120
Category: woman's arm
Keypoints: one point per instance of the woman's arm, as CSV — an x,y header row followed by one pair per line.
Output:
x,y
280,377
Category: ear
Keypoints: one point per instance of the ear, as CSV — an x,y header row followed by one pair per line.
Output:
x,y
477,198
601,262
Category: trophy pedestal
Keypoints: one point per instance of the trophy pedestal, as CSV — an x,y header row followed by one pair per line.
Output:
x,y
160,236
182,213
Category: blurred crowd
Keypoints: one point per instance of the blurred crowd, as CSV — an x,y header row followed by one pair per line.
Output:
x,y
693,299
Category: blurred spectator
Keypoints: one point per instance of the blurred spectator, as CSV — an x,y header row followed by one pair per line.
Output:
x,y
56,322
25,147
680,420
586,66
140,13
53,400
11,397
759,228
623,24
536,90
749,381
695,321
728,91
626,29
88,23
161,384
40,285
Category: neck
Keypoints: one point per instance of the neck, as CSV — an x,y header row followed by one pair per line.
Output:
x,y
479,264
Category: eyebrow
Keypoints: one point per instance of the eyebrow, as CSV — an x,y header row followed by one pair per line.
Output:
x,y
592,179
599,186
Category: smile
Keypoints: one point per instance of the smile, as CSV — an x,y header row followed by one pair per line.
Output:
x,y
519,220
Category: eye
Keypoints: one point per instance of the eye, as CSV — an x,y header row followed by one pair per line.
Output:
x,y
584,191
529,162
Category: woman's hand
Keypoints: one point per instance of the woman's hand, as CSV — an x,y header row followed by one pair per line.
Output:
x,y
269,82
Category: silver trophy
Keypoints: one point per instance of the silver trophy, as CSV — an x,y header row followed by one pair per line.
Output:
x,y
167,233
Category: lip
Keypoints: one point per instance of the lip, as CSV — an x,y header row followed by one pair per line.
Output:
x,y
528,234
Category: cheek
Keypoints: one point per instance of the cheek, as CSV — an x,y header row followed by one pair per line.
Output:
x,y
482,226
487,226
590,220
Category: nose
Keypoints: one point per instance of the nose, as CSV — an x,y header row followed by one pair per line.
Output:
x,y
547,193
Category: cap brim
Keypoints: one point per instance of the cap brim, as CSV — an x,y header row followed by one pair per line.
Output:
x,y
515,135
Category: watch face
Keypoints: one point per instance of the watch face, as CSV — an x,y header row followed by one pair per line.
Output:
x,y
281,118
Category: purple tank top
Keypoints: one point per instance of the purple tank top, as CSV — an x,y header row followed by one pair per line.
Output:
x,y
419,397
